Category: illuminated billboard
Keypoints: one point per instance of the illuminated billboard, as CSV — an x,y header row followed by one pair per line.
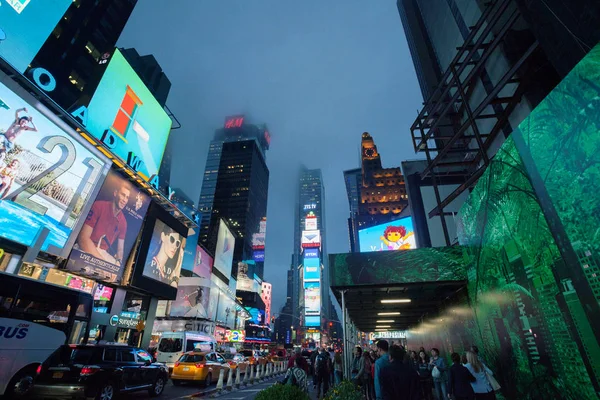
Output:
x,y
235,121
24,27
46,176
126,117
109,231
312,321
258,255
311,239
310,222
224,251
312,298
258,241
245,276
394,235
193,295
311,253
163,262
312,269
257,316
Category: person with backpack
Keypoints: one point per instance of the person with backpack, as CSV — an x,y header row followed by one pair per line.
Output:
x,y
296,376
322,371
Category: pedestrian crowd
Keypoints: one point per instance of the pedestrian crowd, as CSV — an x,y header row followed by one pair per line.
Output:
x,y
390,372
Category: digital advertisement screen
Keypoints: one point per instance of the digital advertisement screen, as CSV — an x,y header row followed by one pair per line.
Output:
x,y
224,250
165,255
395,235
312,321
103,293
245,276
226,310
257,316
123,106
311,253
24,27
46,175
109,231
235,336
258,241
312,269
310,222
258,255
203,264
193,295
312,298
311,239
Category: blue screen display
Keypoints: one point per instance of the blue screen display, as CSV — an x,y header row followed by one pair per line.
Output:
x,y
312,321
24,27
312,269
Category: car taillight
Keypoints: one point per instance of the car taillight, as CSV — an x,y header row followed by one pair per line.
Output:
x,y
89,370
177,364
200,365
39,369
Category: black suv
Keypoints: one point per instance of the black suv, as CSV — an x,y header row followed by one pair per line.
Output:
x,y
99,372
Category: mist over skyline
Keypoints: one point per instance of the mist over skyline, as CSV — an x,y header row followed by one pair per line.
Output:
x,y
317,74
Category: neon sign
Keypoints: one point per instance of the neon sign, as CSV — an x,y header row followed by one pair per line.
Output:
x,y
234,122
310,207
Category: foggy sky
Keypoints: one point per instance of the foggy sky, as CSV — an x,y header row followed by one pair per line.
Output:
x,y
318,72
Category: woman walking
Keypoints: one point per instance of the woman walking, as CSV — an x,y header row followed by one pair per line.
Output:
x,y
459,381
482,386
425,376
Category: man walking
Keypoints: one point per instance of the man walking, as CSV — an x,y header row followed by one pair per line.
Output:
x,y
398,380
322,372
382,362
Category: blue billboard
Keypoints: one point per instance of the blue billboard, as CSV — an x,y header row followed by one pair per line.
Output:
x,y
258,255
311,253
312,269
257,316
394,235
312,321
24,27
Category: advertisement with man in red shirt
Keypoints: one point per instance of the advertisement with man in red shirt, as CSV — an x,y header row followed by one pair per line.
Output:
x,y
110,229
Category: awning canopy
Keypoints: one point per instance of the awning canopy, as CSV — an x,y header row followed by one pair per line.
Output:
x,y
365,306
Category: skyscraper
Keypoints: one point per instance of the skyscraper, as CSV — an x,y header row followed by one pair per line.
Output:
x,y
235,187
72,53
310,249
375,194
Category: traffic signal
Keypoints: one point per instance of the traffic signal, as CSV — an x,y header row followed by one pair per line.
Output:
x,y
330,324
272,320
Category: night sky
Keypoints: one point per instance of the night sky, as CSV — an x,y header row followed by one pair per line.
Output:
x,y
319,73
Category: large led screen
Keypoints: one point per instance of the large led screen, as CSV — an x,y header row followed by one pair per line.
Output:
x,y
312,269
193,295
24,27
245,276
224,250
165,255
395,235
312,298
203,263
311,239
257,316
46,176
109,231
124,108
312,321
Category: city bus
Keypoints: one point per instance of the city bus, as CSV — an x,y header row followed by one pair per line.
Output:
x,y
35,319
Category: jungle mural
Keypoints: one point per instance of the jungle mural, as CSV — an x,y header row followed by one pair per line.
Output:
x,y
531,227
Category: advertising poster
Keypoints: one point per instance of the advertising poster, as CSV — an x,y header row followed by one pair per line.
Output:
x,y
226,310
123,106
109,231
310,222
245,277
311,239
258,241
203,263
395,235
312,269
311,253
312,321
24,27
258,255
224,250
103,293
189,252
165,255
257,316
312,298
193,296
46,176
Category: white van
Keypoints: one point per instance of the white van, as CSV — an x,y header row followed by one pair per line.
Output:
x,y
173,345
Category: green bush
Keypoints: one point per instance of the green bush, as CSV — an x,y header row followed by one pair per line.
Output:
x,y
344,391
282,392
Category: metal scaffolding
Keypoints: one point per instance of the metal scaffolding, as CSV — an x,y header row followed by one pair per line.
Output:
x,y
468,109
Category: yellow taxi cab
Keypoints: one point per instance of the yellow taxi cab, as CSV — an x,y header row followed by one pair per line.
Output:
x,y
250,355
237,361
199,367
